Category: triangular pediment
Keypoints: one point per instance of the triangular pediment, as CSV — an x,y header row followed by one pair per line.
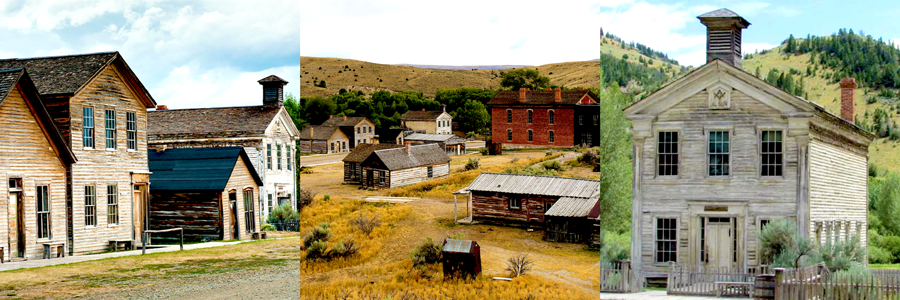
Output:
x,y
719,80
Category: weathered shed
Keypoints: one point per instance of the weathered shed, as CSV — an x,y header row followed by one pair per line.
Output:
x,y
403,166
452,144
353,162
461,258
197,189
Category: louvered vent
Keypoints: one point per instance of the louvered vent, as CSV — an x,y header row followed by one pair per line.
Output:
x,y
720,40
723,36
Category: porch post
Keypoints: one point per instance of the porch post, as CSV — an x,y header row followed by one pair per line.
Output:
x,y
455,218
803,185
636,216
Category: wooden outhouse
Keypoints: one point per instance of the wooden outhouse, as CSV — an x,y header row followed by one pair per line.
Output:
x,y
718,153
33,162
209,192
395,167
461,258
353,171
100,107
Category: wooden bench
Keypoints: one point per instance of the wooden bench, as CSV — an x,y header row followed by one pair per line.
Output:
x,y
722,285
114,244
59,249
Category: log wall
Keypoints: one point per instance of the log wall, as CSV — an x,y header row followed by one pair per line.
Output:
x,y
198,213
494,207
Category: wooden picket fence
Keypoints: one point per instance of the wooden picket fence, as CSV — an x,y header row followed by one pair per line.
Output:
x,y
709,281
816,282
615,277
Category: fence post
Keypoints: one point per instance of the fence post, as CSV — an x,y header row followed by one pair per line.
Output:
x,y
182,238
625,266
669,279
779,287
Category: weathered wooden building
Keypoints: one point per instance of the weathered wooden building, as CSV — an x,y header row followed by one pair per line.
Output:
x,y
100,107
358,130
266,132
545,118
389,168
433,122
34,158
209,192
451,143
719,152
353,171
323,139
567,208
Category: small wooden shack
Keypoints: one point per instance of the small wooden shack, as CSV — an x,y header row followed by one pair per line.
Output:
x,y
452,144
353,171
461,258
389,168
198,189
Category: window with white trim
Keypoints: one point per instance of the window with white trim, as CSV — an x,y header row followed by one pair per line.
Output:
x,y
530,135
530,116
509,116
278,156
269,155
88,126
515,203
667,153
110,129
551,116
90,205
550,137
509,135
131,130
112,203
43,211
719,153
770,152
666,240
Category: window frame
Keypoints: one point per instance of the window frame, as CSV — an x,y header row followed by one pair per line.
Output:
x,y
288,156
90,205
679,142
42,207
596,119
430,172
551,117
759,151
381,177
551,137
509,135
112,205
249,215
509,203
269,155
88,133
530,116
111,134
509,116
530,135
707,134
278,155
131,131
657,240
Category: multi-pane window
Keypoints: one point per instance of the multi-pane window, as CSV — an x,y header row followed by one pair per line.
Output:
x,y
381,178
530,117
289,156
131,130
90,205
249,218
515,203
269,203
588,139
548,205
509,134
550,136
719,153
530,135
110,129
551,116
596,119
770,152
112,204
269,155
509,116
667,154
278,156
88,124
43,211
666,242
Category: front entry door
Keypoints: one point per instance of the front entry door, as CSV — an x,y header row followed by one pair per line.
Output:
x,y
17,236
138,207
720,243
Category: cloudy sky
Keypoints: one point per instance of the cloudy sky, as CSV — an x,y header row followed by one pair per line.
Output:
x,y
210,53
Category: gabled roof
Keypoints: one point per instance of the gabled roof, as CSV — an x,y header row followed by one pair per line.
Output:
x,y
340,121
418,115
318,133
196,169
573,207
567,97
419,155
534,185
67,75
362,151
245,121
9,79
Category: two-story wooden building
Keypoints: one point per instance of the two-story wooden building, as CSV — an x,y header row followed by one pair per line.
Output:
x,y
266,132
323,140
545,118
433,122
358,130
100,107
34,158
719,152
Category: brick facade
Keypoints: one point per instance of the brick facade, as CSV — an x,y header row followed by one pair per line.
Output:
x,y
562,127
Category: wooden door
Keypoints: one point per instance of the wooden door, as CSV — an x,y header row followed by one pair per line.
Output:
x,y
369,175
719,244
20,225
139,213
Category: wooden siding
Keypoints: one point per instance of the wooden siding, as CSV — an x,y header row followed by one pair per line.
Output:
x,y
101,167
838,181
495,208
367,137
239,181
418,174
198,213
279,183
25,153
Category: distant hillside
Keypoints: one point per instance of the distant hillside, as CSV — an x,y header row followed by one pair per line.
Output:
x,y
492,67
820,67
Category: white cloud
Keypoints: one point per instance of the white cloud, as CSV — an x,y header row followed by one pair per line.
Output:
x,y
896,42
47,15
694,58
188,87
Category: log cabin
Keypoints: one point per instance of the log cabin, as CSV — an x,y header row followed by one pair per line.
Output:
x,y
567,208
209,192
353,171
395,167
100,107
266,132
358,130
34,158
324,140
719,152
451,143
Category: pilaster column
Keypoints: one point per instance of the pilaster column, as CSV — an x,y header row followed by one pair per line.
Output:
x,y
636,212
803,185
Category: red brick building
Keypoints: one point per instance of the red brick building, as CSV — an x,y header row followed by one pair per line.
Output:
x,y
542,118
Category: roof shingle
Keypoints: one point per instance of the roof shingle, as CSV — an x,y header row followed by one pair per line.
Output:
x,y
319,133
210,122
418,115
362,151
340,121
61,74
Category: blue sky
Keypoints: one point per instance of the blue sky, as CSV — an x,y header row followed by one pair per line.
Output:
x,y
533,32
188,54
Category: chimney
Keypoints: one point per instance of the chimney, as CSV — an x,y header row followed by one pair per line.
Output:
x,y
423,109
345,117
723,36
557,95
407,147
273,90
311,131
162,107
547,89
522,92
444,106
848,86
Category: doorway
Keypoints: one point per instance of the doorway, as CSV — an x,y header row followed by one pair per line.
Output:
x,y
235,228
718,242
140,211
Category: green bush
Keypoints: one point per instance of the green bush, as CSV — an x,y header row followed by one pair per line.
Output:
x,y
326,197
891,244
318,233
343,248
776,237
426,252
317,250
484,151
283,213
616,247
267,227
878,255
554,165
843,254
472,164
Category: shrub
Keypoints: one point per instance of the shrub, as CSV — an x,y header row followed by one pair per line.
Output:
x,y
304,198
325,225
843,254
472,164
484,151
891,244
364,223
318,233
267,227
553,165
283,213
878,255
317,250
457,236
616,247
326,197
426,252
519,265
776,237
343,248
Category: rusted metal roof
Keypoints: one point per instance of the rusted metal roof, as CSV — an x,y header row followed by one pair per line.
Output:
x,y
457,246
572,207
534,185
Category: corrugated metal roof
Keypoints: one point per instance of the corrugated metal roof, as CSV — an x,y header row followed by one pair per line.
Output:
x,y
534,185
419,155
572,207
457,246
429,137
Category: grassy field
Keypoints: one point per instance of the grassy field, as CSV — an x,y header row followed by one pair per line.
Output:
x,y
882,152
